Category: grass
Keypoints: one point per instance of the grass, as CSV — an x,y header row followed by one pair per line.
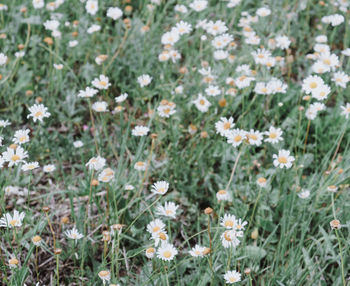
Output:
x,y
287,241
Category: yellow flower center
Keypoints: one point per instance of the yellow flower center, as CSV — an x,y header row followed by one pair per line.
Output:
x,y
222,192
167,254
156,229
169,212
237,138
38,114
15,158
227,125
13,261
162,236
273,135
242,78
103,83
229,223
227,236
13,222
140,164
232,279
104,273
327,62
36,238
22,139
313,85
282,160
262,180
253,137
264,90
202,102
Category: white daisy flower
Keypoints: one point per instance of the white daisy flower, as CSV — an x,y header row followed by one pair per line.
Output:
x,y
168,210
283,159
12,221
232,277
140,131
38,112
160,187
166,252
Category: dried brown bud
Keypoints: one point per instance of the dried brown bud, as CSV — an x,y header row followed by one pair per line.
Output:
x,y
222,102
94,182
65,220
46,209
57,251
208,211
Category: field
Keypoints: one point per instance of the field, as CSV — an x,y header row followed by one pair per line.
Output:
x,y
164,142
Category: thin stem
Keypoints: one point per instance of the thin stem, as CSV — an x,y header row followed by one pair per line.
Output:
x,y
233,171
307,134
341,258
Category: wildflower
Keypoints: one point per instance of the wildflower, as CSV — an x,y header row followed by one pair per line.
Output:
x,y
224,126
229,239
304,194
150,252
183,28
311,83
166,108
129,187
170,38
14,156
223,195
160,187
49,168
232,277
228,221
216,28
240,225
114,12
121,97
322,92
340,79
274,135
96,163
21,136
140,131
58,67
335,224
91,7
167,252
4,123
169,210
51,25
332,188
236,137
3,59
13,262
346,110
30,166
334,20
212,90
160,236
94,28
78,144
37,240
144,80
283,159
202,103
38,112
88,92
254,137
102,82
140,166
105,275
261,181
38,4
282,42
180,8
100,106
197,251
155,226
198,5
263,12
10,221
73,234
106,175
